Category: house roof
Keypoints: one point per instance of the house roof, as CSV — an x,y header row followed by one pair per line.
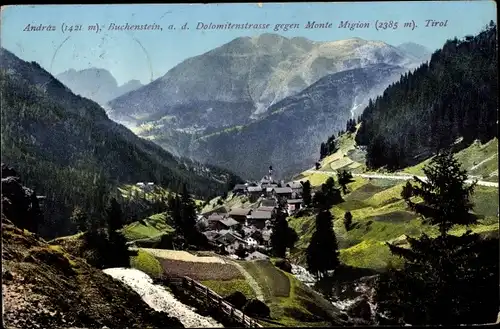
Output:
x,y
240,211
264,208
231,236
282,190
211,234
254,189
268,203
215,217
228,222
294,201
261,215
294,185
248,230
239,187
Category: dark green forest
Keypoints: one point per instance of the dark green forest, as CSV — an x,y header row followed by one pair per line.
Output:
x,y
64,147
453,95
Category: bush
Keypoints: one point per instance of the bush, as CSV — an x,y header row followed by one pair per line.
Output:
x,y
147,263
255,307
237,299
284,265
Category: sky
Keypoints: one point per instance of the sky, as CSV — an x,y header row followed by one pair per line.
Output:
x,y
148,55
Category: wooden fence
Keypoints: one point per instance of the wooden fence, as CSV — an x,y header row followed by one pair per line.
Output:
x,y
214,299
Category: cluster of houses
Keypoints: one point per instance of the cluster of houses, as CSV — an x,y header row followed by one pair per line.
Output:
x,y
251,227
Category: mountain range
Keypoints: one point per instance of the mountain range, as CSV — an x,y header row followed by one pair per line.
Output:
x,y
212,104
238,81
63,145
287,137
96,84
206,107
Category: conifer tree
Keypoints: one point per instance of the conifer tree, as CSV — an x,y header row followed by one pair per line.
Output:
x,y
348,221
344,178
448,279
282,236
407,192
79,219
445,193
306,192
322,253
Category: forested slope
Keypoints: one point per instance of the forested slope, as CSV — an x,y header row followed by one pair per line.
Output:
x,y
449,99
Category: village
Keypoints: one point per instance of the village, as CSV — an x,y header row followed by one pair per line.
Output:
x,y
249,229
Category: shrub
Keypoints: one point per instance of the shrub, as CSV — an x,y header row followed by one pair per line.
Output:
x,y
284,265
237,299
255,307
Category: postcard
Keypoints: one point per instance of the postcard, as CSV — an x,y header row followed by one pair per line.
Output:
x,y
249,164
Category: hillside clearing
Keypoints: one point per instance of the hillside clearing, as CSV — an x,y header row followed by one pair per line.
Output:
x,y
380,215
181,255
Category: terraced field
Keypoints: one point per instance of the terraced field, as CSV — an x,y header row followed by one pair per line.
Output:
x,y
291,302
380,215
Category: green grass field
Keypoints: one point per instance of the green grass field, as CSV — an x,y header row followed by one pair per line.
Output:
x,y
380,215
151,227
291,302
227,287
472,156
158,193
147,263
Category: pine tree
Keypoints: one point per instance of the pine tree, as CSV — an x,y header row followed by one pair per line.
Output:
x,y
279,234
348,221
330,194
445,193
80,219
306,192
114,216
448,279
322,253
175,210
344,178
117,254
188,214
282,236
322,151
407,192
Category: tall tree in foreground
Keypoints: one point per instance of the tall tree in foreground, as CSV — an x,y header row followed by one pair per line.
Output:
x,y
446,195
448,279
306,192
118,254
322,253
282,236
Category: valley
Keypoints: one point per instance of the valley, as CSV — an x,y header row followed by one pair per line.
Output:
x,y
267,181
